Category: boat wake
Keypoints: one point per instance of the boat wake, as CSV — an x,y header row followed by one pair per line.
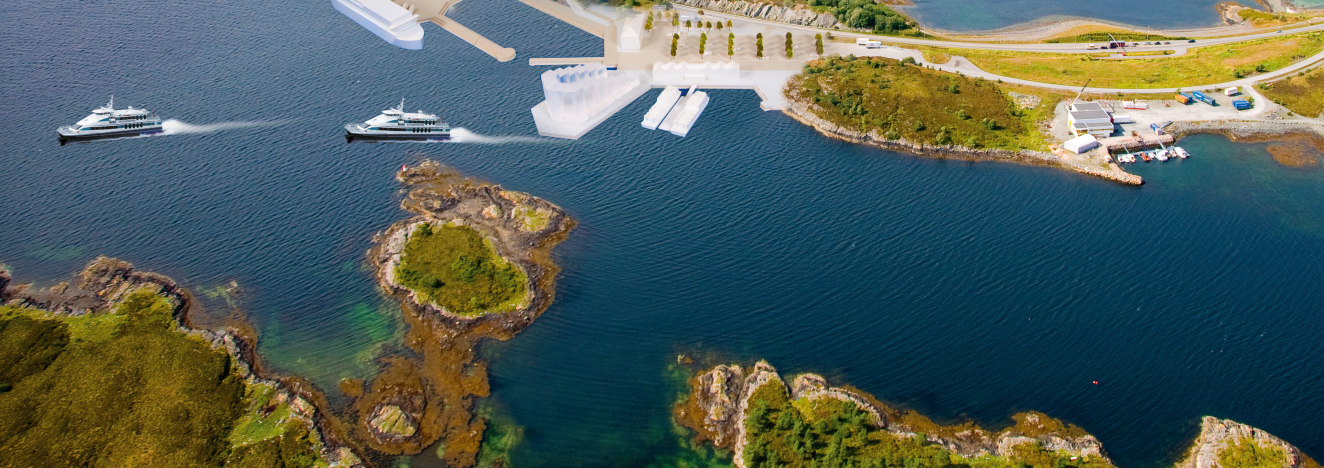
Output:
x,y
176,127
461,135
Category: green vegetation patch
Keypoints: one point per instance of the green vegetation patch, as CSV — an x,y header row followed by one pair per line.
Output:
x,y
1302,94
1201,66
147,395
828,432
865,14
1246,453
126,388
456,269
899,100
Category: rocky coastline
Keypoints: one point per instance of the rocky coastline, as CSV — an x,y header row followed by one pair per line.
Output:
x,y
801,113
719,402
429,396
1217,434
768,12
106,282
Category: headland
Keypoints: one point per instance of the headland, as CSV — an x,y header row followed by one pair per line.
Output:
x,y
763,421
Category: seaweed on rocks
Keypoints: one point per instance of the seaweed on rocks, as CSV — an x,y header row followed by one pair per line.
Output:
x,y
435,389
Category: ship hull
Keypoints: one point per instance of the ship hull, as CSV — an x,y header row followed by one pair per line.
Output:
x,y
68,137
411,39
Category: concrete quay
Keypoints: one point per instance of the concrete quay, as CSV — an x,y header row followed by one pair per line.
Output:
x,y
435,12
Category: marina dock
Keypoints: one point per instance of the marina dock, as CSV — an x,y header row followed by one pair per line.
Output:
x,y
1128,143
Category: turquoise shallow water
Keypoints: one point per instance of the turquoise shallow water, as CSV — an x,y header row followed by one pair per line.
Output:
x,y
959,289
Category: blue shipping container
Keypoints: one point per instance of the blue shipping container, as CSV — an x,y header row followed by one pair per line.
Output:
x,y
1241,104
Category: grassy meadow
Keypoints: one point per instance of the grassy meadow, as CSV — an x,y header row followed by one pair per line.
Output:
x,y
1302,94
905,101
1201,66
456,268
127,388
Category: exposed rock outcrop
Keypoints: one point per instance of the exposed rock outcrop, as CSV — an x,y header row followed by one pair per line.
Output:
x,y
767,11
1217,435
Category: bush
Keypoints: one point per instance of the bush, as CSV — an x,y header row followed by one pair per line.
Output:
x,y
908,61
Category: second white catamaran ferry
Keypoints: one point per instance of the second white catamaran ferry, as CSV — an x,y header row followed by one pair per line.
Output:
x,y
396,124
106,122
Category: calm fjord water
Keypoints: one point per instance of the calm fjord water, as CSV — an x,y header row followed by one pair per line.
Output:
x,y
957,289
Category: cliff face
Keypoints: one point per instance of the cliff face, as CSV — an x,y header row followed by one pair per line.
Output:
x,y
1216,435
720,400
767,11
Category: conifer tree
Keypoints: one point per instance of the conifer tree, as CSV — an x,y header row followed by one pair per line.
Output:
x,y
818,44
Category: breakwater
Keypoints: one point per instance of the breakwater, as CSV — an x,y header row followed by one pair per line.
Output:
x,y
1247,130
801,113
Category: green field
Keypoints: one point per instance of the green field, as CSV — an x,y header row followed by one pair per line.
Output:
x,y
1201,66
125,389
901,101
1302,94
455,268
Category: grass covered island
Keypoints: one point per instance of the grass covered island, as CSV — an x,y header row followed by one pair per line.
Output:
x,y
768,423
455,268
87,381
472,263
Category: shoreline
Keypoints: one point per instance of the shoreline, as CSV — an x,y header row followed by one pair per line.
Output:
x,y
1025,157
718,404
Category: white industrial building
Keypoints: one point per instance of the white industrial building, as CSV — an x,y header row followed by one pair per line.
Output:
x,y
575,94
632,35
1089,118
1081,144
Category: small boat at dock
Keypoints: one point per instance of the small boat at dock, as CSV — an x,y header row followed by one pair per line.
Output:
x,y
1161,155
1145,155
1181,153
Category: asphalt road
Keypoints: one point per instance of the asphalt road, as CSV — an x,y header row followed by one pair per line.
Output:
x,y
1074,48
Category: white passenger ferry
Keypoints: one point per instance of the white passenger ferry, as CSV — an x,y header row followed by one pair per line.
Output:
x,y
393,23
106,122
396,124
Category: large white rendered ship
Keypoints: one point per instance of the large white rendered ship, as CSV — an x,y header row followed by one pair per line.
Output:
x,y
106,122
396,124
393,23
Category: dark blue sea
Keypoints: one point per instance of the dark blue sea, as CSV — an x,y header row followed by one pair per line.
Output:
x,y
962,290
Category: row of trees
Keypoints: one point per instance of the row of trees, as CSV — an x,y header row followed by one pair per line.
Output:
x,y
703,44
